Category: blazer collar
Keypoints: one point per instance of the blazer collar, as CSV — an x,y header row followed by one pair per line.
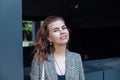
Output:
x,y
51,57
50,67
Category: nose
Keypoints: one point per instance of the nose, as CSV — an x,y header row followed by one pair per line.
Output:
x,y
61,31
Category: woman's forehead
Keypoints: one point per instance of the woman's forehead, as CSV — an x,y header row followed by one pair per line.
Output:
x,y
57,23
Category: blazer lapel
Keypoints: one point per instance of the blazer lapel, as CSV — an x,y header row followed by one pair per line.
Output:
x,y
69,67
51,71
50,68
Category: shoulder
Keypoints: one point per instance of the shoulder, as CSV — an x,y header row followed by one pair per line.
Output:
x,y
35,62
73,54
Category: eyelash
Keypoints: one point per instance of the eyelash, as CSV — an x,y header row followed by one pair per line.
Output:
x,y
55,30
64,27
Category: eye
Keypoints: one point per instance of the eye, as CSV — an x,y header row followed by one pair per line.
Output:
x,y
55,30
64,27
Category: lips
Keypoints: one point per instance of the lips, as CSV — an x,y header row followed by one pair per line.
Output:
x,y
63,37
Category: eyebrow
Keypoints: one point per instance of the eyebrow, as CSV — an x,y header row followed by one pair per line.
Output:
x,y
63,26
58,28
55,28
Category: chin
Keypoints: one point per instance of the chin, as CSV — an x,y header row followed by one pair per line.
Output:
x,y
63,43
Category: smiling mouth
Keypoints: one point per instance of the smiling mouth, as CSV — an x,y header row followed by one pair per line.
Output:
x,y
63,37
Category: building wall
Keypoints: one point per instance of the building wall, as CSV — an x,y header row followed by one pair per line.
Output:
x,y
11,57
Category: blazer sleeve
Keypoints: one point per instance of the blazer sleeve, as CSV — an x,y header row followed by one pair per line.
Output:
x,y
35,70
81,69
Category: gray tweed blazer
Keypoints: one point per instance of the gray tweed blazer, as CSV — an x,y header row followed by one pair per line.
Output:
x,y
74,68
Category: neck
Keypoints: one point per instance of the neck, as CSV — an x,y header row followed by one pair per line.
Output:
x,y
59,59
60,51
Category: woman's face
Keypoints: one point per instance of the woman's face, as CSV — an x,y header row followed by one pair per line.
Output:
x,y
58,33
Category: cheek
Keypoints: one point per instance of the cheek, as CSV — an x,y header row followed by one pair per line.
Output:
x,y
54,36
67,32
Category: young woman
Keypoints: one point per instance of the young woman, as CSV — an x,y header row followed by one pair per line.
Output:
x,y
51,51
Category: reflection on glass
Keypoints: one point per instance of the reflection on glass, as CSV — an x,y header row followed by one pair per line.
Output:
x,y
27,30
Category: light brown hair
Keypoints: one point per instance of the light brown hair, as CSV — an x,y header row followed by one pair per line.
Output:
x,y
42,45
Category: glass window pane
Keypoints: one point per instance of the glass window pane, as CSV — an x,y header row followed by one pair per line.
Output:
x,y
27,30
